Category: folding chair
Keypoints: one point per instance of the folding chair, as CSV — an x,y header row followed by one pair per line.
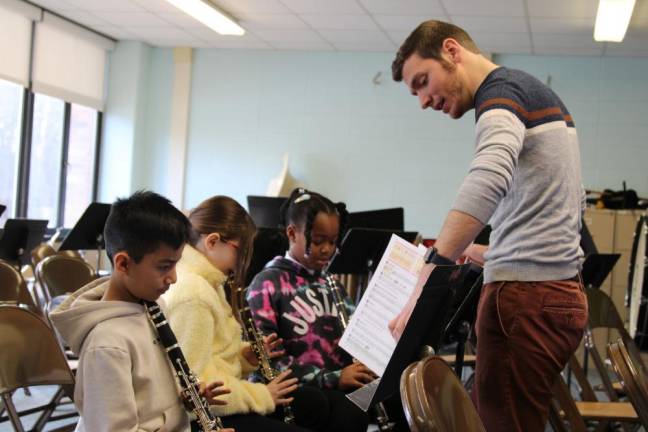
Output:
x,y
60,275
434,399
632,375
31,356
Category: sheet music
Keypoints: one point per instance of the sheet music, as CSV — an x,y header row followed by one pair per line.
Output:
x,y
367,337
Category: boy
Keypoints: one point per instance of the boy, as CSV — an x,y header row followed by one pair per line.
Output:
x,y
124,380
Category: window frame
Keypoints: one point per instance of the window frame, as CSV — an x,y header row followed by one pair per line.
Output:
x,y
24,158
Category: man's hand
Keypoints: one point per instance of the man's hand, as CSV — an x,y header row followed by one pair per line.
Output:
x,y
397,325
354,376
213,390
475,253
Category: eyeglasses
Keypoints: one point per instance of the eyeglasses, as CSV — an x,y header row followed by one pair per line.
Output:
x,y
231,243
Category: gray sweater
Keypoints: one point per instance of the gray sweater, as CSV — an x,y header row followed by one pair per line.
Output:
x,y
525,180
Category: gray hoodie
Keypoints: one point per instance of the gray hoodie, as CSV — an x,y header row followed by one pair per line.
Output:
x,y
124,381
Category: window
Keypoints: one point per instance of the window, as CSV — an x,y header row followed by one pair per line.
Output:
x,y
80,173
11,102
45,159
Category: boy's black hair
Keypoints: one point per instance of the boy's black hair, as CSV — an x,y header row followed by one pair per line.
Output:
x,y
302,207
139,224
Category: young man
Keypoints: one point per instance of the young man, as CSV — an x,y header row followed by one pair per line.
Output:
x,y
124,380
525,180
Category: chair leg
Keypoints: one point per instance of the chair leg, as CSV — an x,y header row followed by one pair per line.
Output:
x,y
49,410
13,414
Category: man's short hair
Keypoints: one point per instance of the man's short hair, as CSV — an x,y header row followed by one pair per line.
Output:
x,y
426,41
140,224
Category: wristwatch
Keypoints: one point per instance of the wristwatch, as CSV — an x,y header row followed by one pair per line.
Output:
x,y
432,256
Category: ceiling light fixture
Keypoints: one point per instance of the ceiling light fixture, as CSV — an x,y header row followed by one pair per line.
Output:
x,y
208,14
612,20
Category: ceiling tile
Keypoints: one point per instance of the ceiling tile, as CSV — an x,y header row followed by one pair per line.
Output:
x,y
501,8
240,7
302,45
157,5
272,22
107,6
404,7
478,24
365,46
208,35
398,36
562,25
85,18
562,8
399,22
116,32
340,22
134,19
288,35
331,7
161,33
180,19
357,36
55,5
640,10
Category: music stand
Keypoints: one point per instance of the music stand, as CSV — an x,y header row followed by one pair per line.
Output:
x,y
391,219
2,209
87,233
265,211
596,269
424,328
268,243
19,237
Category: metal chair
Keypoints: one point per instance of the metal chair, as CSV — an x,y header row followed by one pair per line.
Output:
x,y
434,399
13,290
633,376
31,356
60,275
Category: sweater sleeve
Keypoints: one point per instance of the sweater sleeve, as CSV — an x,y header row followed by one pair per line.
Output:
x,y
262,298
108,396
194,318
500,135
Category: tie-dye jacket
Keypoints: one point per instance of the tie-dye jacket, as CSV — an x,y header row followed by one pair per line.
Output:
x,y
287,299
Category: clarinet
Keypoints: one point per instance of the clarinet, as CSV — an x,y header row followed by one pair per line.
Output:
x,y
258,348
384,424
195,403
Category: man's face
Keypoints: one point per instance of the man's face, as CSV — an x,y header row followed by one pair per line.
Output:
x,y
438,85
151,277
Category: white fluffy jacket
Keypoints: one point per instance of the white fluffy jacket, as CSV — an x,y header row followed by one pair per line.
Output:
x,y
210,336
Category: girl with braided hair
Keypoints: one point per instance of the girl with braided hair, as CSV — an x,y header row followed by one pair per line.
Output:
x,y
290,297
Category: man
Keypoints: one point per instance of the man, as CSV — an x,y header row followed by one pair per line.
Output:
x,y
524,180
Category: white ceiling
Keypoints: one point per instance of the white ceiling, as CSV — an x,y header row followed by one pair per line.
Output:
x,y
563,27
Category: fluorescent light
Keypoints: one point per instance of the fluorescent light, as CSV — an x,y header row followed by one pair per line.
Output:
x,y
206,13
612,20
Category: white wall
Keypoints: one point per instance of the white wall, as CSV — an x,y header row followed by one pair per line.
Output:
x,y
366,144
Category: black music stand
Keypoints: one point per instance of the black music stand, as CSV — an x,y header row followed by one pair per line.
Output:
x,y
2,209
425,328
597,267
265,211
390,219
19,237
87,233
464,312
268,243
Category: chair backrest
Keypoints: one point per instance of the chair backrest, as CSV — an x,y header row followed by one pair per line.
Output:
x,y
435,400
60,274
40,252
29,352
633,376
13,289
